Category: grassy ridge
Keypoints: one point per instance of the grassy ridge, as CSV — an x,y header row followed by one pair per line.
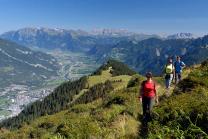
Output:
x,y
117,115
111,117
184,114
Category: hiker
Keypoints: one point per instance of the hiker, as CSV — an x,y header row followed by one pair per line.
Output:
x,y
179,65
148,96
169,74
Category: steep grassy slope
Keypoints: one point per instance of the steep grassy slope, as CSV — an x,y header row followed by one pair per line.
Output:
x,y
110,117
96,118
184,114
64,96
116,114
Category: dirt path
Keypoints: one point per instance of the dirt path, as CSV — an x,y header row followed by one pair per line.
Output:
x,y
162,91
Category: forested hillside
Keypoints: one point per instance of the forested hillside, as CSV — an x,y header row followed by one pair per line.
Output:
x,y
64,95
118,68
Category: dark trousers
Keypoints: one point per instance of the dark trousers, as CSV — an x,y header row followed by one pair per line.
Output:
x,y
177,77
147,105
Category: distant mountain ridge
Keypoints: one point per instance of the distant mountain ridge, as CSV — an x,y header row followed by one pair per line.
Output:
x,y
43,38
73,40
151,54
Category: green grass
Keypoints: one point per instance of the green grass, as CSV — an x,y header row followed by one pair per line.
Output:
x,y
182,115
102,118
119,82
105,75
75,97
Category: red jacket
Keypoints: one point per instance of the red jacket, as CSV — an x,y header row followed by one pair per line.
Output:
x,y
148,89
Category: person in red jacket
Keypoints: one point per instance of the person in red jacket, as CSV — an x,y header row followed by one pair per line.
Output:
x,y
148,96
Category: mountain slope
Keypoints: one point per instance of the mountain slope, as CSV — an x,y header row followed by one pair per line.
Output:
x,y
118,68
43,38
151,54
116,113
20,65
184,114
62,97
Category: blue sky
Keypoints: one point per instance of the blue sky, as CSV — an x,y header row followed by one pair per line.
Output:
x,y
146,16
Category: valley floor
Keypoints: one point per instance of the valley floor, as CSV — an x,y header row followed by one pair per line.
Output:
x,y
15,97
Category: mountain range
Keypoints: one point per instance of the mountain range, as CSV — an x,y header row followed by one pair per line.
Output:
x,y
140,51
151,54
73,40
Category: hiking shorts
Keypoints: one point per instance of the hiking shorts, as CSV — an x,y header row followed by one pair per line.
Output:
x,y
168,80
